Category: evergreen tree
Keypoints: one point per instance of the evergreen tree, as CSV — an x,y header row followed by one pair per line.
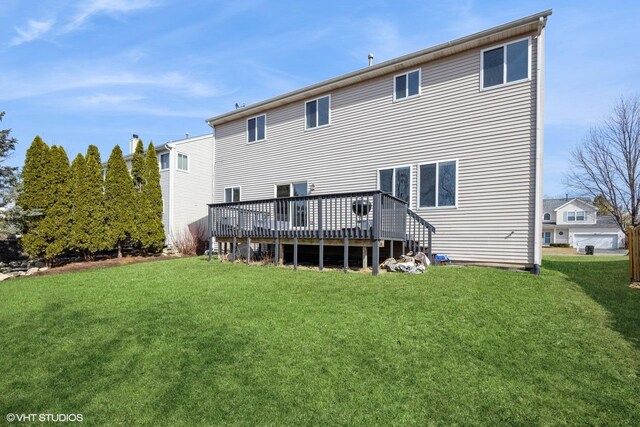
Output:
x,y
7,173
137,166
150,227
119,201
95,201
55,226
80,235
34,196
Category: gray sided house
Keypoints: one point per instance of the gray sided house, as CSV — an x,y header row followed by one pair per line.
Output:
x,y
455,131
186,179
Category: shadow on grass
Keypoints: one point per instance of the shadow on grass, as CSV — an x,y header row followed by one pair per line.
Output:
x,y
606,281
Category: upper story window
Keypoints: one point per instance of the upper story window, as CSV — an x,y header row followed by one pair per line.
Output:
x,y
576,216
231,194
396,181
317,112
406,85
547,217
257,128
438,184
164,161
183,162
505,64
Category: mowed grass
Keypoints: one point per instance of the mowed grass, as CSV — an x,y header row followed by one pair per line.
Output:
x,y
186,342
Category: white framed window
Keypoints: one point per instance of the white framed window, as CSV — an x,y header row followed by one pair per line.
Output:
x,y
438,184
317,113
231,194
257,128
396,181
406,85
573,216
164,161
183,162
547,216
506,63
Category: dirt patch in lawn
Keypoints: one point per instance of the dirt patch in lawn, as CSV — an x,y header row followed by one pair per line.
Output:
x,y
560,251
103,263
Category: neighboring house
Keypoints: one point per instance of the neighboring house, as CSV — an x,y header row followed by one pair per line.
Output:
x,y
575,222
186,179
455,130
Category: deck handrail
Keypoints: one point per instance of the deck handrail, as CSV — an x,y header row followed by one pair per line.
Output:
x,y
421,220
307,197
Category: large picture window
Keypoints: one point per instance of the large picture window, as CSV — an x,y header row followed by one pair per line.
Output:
x,y
438,184
317,112
396,181
257,128
505,64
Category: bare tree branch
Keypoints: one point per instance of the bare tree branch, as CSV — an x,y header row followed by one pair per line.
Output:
x,y
607,163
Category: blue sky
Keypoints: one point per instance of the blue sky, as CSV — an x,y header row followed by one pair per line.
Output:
x,y
96,71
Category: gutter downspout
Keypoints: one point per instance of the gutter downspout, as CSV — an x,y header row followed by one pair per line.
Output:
x,y
210,239
170,147
537,229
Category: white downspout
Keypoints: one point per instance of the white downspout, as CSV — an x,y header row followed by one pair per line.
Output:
x,y
170,147
537,243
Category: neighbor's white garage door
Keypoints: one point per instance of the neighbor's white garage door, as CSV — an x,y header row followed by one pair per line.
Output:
x,y
599,241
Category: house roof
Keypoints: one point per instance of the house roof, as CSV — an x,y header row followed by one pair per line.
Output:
x,y
163,147
606,220
492,35
549,205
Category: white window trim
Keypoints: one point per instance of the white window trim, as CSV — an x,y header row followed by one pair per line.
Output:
x,y
437,163
160,162
178,154
224,194
305,114
504,59
419,70
265,128
290,184
393,181
575,216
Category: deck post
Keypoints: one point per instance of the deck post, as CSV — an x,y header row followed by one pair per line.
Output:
x,y
295,254
429,251
346,254
276,255
281,254
220,251
248,250
234,247
391,242
320,235
375,252
365,257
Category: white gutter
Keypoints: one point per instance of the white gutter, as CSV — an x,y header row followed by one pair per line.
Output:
x,y
537,232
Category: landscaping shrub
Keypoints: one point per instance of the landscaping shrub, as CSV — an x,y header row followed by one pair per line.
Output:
x,y
559,245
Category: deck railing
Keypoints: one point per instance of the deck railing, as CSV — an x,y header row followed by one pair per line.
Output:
x,y
368,215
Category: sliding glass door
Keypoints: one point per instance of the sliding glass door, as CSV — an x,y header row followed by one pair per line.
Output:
x,y
294,213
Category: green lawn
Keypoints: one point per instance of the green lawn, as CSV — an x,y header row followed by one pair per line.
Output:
x,y
186,342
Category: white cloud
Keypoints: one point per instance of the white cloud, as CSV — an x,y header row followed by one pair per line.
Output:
x,y
32,31
96,7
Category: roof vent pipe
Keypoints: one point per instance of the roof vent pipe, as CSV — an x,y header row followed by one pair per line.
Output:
x,y
566,197
186,135
370,59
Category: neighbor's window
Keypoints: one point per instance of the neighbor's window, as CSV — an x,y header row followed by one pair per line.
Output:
x,y
406,85
505,64
396,181
547,217
580,215
256,128
231,194
164,161
317,112
183,162
438,184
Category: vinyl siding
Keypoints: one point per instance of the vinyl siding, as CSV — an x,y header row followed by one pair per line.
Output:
x,y
491,133
192,190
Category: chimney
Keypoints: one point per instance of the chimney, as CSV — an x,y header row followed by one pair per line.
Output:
x,y
566,197
133,142
370,59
